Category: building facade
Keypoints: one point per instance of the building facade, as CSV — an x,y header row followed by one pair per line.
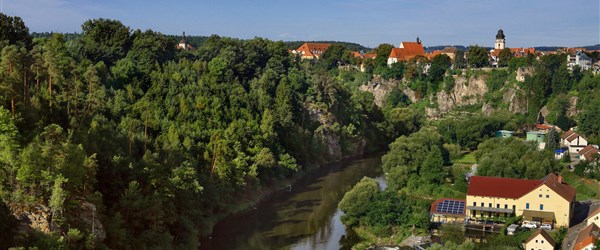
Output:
x,y
546,201
539,240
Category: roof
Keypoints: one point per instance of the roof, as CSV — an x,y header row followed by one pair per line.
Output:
x,y
555,183
588,155
594,213
500,187
312,49
587,148
567,134
543,126
448,206
506,131
584,234
585,242
572,137
516,188
363,55
536,132
544,234
407,51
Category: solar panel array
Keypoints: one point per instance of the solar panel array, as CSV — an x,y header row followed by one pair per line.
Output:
x,y
451,207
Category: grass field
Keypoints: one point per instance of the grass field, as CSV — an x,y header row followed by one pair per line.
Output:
x,y
467,159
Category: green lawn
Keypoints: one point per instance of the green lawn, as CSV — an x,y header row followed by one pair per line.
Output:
x,y
467,159
586,188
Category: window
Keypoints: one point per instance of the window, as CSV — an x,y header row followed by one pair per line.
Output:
x,y
497,205
547,196
490,204
526,205
536,241
514,207
482,205
505,206
540,195
541,206
474,204
542,241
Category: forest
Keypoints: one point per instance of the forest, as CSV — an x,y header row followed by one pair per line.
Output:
x,y
112,138
118,140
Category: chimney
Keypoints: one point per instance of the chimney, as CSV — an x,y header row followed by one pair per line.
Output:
x,y
560,179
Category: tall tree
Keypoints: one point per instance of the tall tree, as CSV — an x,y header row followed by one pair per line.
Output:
x,y
13,30
105,40
504,57
477,57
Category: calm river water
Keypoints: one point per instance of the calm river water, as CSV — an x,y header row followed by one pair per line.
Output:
x,y
307,217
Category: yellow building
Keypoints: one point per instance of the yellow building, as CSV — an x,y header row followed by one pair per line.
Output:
x,y
548,200
540,240
594,218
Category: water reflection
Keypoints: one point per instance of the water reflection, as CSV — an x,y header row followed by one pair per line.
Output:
x,y
305,218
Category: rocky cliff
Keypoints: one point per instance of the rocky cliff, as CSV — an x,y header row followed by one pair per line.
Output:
x,y
332,139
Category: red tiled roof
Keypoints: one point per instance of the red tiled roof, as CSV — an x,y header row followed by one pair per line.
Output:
x,y
585,242
313,49
590,153
407,51
555,183
567,134
358,54
585,234
433,54
436,202
516,188
544,234
586,149
500,187
572,137
543,126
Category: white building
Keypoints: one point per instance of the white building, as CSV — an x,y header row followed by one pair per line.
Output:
x,y
580,59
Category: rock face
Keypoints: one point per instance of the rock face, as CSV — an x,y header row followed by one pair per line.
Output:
x,y
515,97
465,92
572,110
331,140
86,215
380,88
37,218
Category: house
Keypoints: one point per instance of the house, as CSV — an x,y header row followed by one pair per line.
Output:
x,y
311,51
588,152
504,133
548,200
406,51
579,59
573,141
446,210
594,218
587,237
559,153
183,44
536,136
541,240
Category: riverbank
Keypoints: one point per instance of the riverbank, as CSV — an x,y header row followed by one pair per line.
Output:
x,y
250,199
307,217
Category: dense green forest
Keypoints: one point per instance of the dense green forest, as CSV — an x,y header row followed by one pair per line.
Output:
x,y
115,126
112,138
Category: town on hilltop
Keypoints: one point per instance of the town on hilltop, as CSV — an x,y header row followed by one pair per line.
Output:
x,y
498,56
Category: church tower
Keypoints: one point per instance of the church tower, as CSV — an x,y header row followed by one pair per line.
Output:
x,y
500,40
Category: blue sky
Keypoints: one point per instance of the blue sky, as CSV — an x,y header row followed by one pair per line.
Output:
x,y
368,22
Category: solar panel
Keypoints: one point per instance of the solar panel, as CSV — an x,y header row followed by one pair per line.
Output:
x,y
451,206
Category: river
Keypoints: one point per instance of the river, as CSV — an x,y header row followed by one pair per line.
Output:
x,y
307,217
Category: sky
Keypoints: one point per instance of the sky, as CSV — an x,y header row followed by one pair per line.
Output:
x,y
526,23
